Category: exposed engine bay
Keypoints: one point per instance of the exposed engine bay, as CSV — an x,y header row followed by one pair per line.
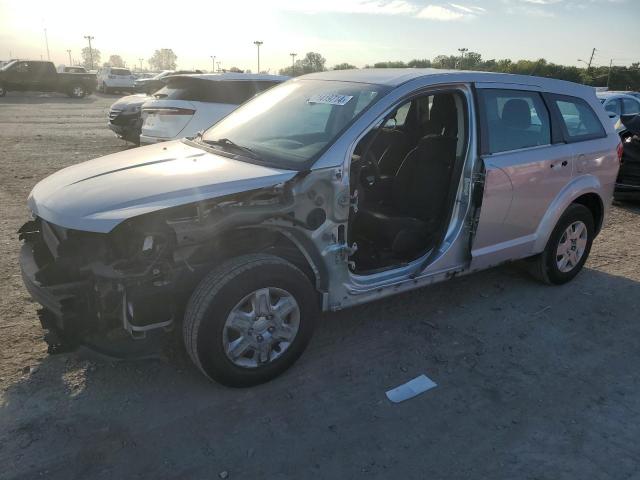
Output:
x,y
138,277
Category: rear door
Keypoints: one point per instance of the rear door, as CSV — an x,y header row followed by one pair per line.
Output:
x,y
526,164
582,130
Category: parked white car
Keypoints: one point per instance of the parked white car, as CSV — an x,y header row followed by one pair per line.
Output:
x,y
617,104
190,103
111,79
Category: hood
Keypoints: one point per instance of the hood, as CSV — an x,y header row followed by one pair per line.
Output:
x,y
129,100
99,194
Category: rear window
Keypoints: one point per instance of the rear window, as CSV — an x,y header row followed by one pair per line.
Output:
x,y
199,90
120,71
580,121
514,119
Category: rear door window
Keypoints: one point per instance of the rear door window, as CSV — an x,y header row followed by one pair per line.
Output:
x,y
514,119
630,106
579,121
613,106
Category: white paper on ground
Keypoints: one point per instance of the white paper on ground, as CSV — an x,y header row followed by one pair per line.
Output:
x,y
410,389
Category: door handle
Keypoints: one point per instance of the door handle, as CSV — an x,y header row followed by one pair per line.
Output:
x,y
565,163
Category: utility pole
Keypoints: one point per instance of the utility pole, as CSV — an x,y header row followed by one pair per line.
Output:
x,y
213,63
89,37
293,62
257,43
609,74
46,41
70,62
140,60
462,52
593,52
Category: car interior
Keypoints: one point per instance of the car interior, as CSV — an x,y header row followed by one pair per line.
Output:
x,y
404,176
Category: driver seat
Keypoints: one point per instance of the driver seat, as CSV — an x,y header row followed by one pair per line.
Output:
x,y
406,226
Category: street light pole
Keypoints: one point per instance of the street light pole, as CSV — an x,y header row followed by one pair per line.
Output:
x,y
213,63
257,43
89,37
218,64
70,62
293,62
140,60
46,40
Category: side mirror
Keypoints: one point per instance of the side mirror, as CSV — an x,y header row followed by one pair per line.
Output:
x,y
612,114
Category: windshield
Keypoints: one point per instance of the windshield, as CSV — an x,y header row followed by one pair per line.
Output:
x,y
8,65
291,124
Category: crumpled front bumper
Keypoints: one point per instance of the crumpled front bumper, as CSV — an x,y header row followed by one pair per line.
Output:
x,y
65,305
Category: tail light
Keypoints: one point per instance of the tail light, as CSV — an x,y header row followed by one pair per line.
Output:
x,y
169,111
620,151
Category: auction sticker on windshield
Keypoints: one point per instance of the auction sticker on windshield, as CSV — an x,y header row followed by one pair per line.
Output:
x,y
330,98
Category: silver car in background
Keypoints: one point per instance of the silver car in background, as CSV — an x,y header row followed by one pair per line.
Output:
x,y
328,191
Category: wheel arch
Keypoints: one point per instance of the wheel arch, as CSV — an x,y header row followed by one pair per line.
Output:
x,y
282,242
584,190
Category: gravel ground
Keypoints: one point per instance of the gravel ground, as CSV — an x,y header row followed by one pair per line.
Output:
x,y
534,382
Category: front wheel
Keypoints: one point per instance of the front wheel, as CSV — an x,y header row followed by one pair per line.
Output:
x,y
568,247
250,319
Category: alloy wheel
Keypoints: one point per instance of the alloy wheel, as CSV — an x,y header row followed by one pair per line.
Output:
x,y
261,327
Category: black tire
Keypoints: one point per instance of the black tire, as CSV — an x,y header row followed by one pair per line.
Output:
x,y
544,266
220,291
77,91
3,90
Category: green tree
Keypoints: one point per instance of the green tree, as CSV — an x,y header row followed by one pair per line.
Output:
x,y
163,59
312,62
115,61
236,70
419,63
344,66
87,57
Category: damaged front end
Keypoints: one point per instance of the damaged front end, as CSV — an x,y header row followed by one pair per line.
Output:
x,y
136,279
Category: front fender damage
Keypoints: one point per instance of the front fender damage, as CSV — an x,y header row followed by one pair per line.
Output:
x,y
134,281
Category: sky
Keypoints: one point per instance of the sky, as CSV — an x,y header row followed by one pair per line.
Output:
x,y
359,32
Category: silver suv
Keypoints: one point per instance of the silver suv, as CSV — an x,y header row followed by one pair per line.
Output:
x,y
328,191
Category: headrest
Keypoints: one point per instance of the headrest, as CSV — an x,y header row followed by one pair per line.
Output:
x,y
443,118
516,114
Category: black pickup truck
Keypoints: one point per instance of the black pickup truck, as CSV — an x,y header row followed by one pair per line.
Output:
x,y
39,76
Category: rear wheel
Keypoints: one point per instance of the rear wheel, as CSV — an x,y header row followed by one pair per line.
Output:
x,y
3,91
77,91
250,319
568,247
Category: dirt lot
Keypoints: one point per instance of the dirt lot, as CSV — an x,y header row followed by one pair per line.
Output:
x,y
534,382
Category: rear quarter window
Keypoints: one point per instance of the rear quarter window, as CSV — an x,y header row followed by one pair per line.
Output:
x,y
578,120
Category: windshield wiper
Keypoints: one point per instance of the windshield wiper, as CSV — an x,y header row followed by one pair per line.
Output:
x,y
225,142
